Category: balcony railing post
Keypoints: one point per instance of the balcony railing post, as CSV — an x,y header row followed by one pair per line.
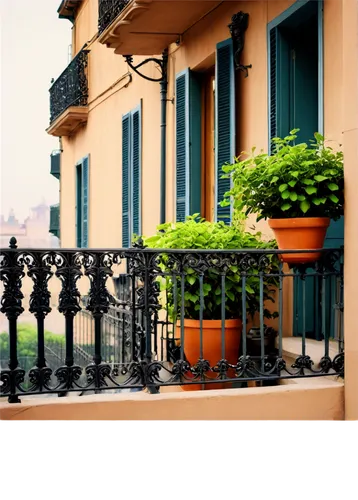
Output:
x,y
98,267
69,271
39,270
11,273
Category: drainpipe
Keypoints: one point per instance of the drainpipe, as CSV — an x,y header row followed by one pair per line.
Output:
x,y
163,80
163,143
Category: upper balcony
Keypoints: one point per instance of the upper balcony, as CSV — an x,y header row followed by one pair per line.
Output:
x,y
69,97
147,27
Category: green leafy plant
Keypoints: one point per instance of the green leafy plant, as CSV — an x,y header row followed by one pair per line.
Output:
x,y
195,234
295,181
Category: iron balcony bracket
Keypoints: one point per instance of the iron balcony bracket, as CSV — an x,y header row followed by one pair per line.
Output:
x,y
162,63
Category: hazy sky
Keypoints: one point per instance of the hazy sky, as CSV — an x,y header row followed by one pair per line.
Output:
x,y
34,49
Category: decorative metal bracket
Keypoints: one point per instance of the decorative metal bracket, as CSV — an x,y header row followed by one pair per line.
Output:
x,y
238,26
162,63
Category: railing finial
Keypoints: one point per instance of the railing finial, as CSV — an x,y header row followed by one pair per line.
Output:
x,y
13,243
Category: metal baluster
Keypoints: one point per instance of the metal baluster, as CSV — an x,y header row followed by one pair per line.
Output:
x,y
11,305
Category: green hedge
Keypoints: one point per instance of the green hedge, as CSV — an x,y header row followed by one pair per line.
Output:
x,y
27,345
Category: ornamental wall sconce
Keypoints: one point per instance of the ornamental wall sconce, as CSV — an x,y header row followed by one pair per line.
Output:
x,y
238,26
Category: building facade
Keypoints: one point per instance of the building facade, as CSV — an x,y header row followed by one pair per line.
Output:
x,y
159,95
215,108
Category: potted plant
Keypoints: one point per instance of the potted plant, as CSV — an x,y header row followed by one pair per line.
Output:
x,y
299,188
195,234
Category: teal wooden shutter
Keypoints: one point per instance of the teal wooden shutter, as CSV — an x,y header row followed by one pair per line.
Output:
x,y
224,124
188,144
85,201
125,179
273,42
182,145
79,205
194,143
136,153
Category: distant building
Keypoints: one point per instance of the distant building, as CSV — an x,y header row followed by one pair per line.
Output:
x,y
33,233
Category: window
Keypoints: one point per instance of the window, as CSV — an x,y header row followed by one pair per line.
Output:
x,y
82,198
205,137
131,175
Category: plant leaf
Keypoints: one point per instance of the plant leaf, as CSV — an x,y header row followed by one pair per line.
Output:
x,y
293,196
282,187
316,201
311,190
285,206
249,289
292,183
308,182
285,195
320,178
332,186
304,206
191,279
333,198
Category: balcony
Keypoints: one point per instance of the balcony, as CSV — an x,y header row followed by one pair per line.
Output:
x,y
55,220
55,168
147,27
140,338
68,9
69,97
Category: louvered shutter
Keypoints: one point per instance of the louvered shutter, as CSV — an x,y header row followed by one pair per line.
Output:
x,y
194,143
85,201
79,205
224,124
125,179
136,171
273,41
188,144
182,145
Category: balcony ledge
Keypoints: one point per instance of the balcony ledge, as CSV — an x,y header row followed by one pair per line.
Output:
x,y
286,402
128,33
68,121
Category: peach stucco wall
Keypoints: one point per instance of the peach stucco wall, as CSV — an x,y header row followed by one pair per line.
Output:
x,y
112,94
291,402
350,141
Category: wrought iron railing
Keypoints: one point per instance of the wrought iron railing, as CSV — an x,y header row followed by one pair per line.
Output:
x,y
71,87
108,10
116,331
155,333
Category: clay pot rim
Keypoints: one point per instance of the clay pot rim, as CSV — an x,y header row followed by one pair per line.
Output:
x,y
211,323
298,222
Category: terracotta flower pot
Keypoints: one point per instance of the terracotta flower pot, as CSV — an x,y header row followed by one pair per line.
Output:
x,y
211,345
300,233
